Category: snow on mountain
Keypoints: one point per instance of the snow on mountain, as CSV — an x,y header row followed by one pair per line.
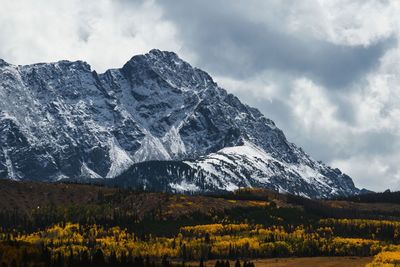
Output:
x,y
155,122
120,160
86,172
250,166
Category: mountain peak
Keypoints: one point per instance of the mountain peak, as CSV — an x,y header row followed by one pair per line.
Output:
x,y
170,67
162,54
78,64
156,55
157,121
3,63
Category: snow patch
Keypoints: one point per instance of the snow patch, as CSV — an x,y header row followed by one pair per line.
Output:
x,y
173,141
10,168
151,149
60,176
184,186
120,160
86,172
243,165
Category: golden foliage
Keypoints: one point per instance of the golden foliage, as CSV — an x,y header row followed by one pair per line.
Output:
x,y
202,241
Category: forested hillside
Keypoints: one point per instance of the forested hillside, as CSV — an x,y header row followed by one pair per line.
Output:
x,y
81,225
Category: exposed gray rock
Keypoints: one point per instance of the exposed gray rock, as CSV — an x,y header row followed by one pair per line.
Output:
x,y
157,122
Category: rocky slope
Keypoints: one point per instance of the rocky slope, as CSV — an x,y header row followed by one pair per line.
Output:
x,y
157,123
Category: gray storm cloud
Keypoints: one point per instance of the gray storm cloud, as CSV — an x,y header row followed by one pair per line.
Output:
x,y
230,43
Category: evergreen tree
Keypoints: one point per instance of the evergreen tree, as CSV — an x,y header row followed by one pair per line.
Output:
x,y
165,262
59,260
85,261
98,258
24,258
207,238
112,260
147,261
46,256
183,252
71,262
123,260
138,262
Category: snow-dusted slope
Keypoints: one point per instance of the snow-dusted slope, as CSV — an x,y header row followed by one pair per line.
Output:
x,y
250,166
62,120
236,167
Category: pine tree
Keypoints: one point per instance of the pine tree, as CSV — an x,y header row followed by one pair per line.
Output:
x,y
207,238
123,260
165,262
46,256
112,260
58,261
147,262
184,252
98,258
71,258
85,261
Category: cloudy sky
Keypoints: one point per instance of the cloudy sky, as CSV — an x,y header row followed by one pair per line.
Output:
x,y
327,72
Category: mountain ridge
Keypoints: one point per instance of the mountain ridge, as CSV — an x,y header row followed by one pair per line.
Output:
x,y
62,120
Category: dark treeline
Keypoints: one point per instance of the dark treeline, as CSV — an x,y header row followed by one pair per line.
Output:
x,y
323,209
85,259
104,215
122,208
108,215
384,197
222,263
41,257
367,229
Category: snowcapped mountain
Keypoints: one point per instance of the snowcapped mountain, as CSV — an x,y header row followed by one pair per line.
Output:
x,y
157,122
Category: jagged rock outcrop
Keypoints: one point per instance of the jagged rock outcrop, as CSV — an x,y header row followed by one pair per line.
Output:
x,y
157,122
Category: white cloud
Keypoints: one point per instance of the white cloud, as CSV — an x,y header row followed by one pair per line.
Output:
x,y
104,33
345,22
261,87
360,22
379,173
378,99
312,108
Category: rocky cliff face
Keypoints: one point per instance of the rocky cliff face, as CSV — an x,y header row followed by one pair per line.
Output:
x,y
157,122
